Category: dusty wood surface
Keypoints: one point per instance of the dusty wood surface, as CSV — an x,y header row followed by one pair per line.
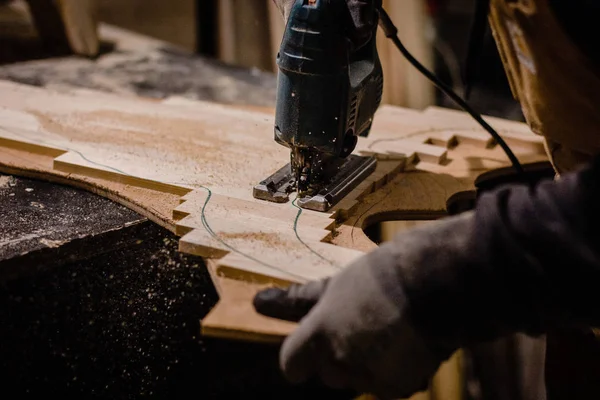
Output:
x,y
191,165
140,66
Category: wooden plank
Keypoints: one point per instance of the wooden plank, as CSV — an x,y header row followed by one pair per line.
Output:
x,y
171,155
81,25
276,31
70,162
173,21
452,138
238,207
244,33
404,85
230,317
430,153
250,228
226,31
67,23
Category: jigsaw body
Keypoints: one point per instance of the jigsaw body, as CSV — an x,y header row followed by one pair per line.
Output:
x,y
327,96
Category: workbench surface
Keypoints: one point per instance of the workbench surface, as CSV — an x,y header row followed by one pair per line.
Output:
x,y
105,306
96,300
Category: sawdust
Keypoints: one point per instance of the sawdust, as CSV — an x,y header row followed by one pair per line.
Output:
x,y
149,69
52,243
195,148
271,239
6,181
130,132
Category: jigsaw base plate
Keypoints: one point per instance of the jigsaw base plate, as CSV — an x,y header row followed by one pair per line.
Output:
x,y
279,186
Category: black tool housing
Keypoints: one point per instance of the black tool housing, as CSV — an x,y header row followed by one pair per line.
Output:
x,y
328,91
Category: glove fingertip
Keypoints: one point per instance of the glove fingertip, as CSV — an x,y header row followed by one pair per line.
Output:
x,y
268,301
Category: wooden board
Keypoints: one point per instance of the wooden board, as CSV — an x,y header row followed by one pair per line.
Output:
x,y
72,21
191,166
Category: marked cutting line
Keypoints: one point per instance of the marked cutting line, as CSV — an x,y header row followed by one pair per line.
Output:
x,y
458,130
214,235
205,223
294,203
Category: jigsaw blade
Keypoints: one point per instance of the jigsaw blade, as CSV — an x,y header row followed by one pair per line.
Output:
x,y
278,187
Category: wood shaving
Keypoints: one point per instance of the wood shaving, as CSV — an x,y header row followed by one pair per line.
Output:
x,y
6,181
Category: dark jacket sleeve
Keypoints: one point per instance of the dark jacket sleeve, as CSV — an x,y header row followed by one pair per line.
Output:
x,y
544,245
527,260
579,18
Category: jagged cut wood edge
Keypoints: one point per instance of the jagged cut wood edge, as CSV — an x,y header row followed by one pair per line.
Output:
x,y
235,309
236,280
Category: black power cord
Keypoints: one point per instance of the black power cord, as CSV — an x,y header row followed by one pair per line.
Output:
x,y
391,32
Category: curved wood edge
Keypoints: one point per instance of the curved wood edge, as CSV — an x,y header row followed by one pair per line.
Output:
x,y
396,185
234,317
119,192
235,303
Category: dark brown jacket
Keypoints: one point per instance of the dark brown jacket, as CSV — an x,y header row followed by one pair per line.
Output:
x,y
551,55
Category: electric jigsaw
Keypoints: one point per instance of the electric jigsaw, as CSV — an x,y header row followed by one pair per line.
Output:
x,y
327,94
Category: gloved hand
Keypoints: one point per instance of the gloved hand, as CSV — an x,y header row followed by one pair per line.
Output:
x,y
358,328
362,17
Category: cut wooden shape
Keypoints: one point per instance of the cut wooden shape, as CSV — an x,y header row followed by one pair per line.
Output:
x,y
452,139
385,172
240,267
71,162
163,160
252,207
296,263
345,207
406,149
234,316
534,143
445,139
514,133
30,147
234,228
280,219
201,243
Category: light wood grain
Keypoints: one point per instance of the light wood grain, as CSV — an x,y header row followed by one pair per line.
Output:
x,y
191,166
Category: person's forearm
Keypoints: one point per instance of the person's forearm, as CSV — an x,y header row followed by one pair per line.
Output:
x,y
527,260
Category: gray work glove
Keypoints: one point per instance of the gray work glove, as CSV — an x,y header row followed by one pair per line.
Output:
x,y
362,17
358,329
